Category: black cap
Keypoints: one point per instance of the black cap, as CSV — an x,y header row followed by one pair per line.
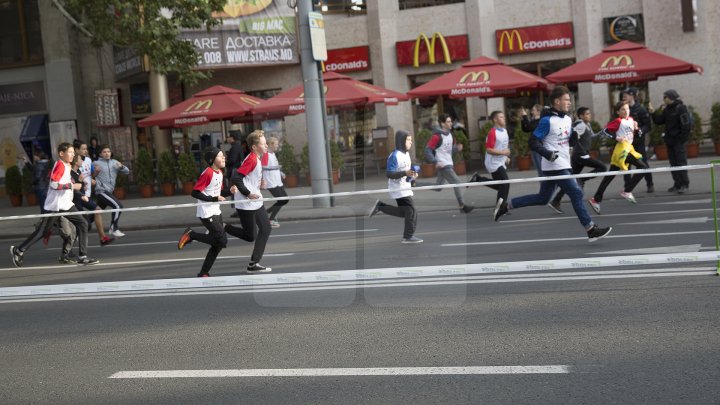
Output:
x,y
633,91
671,94
210,155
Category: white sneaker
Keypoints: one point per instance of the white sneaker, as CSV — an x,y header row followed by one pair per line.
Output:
x,y
274,223
116,233
628,196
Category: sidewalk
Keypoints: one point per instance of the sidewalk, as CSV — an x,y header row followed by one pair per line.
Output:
x,y
481,197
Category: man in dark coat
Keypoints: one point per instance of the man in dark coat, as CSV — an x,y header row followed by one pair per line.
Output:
x,y
676,118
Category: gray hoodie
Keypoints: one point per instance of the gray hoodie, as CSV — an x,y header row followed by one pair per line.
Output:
x,y
106,173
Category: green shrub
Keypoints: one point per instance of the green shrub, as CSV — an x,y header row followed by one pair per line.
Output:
x,y
121,181
166,168
520,146
714,131
143,168
287,159
187,169
13,181
696,133
336,158
27,180
484,130
421,140
461,138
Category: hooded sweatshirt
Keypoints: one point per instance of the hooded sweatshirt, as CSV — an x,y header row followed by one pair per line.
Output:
x,y
397,164
106,173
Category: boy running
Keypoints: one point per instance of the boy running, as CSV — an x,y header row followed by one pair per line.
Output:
x,y
400,177
209,188
106,170
497,156
83,201
273,178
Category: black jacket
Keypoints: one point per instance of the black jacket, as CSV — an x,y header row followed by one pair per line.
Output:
x,y
234,157
676,119
642,117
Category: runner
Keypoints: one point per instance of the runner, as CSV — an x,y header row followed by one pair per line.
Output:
x,y
106,170
83,202
273,178
497,156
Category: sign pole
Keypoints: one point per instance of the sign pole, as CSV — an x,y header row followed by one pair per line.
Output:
x,y
715,217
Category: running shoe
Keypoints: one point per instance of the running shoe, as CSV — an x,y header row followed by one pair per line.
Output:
x,y
274,223
594,205
184,238
46,237
17,256
628,196
203,275
116,233
257,268
596,233
84,260
374,209
66,260
673,189
650,188
474,178
555,206
501,208
466,209
682,190
412,239
106,241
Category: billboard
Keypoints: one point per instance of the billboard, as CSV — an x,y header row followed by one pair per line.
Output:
x,y
431,49
534,39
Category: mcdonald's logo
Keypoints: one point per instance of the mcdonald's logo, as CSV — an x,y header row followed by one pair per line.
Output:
x,y
200,105
430,45
475,76
508,38
617,61
248,101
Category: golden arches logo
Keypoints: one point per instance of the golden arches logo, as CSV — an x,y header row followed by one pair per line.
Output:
x,y
475,76
200,105
508,37
617,60
249,101
430,45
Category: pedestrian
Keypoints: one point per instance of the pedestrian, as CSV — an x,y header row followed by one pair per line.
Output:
x,y
624,155
273,178
59,199
401,175
642,117
82,201
93,149
106,171
439,150
249,206
210,187
41,176
678,123
551,140
497,157
581,138
528,124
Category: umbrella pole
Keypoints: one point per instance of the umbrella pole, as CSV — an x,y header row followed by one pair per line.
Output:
x,y
223,127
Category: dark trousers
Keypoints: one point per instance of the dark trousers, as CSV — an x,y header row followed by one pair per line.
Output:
x,y
502,189
647,176
577,165
105,200
405,209
629,186
249,219
46,225
277,192
677,155
215,237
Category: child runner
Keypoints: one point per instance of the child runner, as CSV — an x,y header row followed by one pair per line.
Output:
x,y
273,178
623,128
580,141
106,170
209,188
248,180
550,139
83,201
497,152
59,199
400,176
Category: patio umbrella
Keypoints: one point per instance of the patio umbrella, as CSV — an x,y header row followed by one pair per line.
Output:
x,y
215,103
340,91
481,77
623,62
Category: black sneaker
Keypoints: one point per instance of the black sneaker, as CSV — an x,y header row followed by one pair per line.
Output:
x,y
374,209
650,188
65,260
596,233
474,178
87,261
17,256
258,268
682,190
500,209
672,189
555,206
467,208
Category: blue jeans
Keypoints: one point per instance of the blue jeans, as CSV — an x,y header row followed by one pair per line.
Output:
x,y
547,188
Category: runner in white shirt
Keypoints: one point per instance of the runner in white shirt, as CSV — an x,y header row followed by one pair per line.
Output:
x,y
497,156
273,179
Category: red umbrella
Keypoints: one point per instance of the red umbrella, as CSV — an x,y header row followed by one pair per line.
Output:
x,y
623,62
340,90
481,77
212,104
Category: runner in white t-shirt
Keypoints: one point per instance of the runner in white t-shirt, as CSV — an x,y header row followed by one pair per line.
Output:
x,y
273,177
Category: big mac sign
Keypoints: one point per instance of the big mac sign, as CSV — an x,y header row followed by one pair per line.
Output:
x,y
534,39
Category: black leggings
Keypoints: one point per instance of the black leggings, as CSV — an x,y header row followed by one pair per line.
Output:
x,y
248,220
405,209
502,189
46,225
578,164
215,237
105,200
630,185
277,192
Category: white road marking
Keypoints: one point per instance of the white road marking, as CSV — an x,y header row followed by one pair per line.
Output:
x,y
611,236
684,202
653,250
698,220
339,372
623,214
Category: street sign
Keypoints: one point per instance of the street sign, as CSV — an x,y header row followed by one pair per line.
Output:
x,y
317,36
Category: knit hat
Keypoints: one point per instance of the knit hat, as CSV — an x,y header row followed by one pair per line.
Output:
x,y
671,94
633,91
210,155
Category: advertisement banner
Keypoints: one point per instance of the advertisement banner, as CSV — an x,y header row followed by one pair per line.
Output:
x,y
22,97
534,39
624,27
253,33
431,49
345,60
107,108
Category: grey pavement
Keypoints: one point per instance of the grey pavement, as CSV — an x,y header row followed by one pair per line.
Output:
x,y
357,205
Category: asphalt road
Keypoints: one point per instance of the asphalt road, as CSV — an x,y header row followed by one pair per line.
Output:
x,y
637,334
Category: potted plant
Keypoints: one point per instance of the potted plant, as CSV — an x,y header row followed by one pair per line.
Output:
x,y
187,172
27,186
460,158
121,186
714,131
167,173
656,141
336,161
421,140
521,149
696,135
13,185
288,164
305,163
143,171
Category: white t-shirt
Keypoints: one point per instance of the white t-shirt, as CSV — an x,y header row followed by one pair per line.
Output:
x,y
86,171
271,170
399,162
497,139
252,170
209,183
60,192
554,130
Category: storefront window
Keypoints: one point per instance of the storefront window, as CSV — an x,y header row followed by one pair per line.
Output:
x,y
406,4
20,39
341,6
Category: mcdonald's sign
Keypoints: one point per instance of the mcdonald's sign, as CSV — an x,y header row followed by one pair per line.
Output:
x,y
534,39
475,77
200,105
425,50
615,61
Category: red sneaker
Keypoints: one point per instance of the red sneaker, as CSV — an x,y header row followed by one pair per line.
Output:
x,y
184,238
106,241
46,238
